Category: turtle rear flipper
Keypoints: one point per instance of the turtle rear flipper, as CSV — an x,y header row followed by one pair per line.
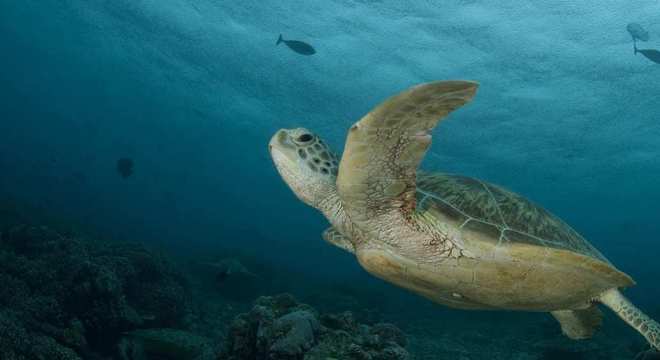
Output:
x,y
579,324
646,326
335,238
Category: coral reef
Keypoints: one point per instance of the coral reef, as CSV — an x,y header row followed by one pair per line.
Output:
x,y
165,343
556,353
648,355
280,328
67,298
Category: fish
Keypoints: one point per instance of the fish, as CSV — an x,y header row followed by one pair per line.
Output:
x,y
651,54
300,47
637,32
125,167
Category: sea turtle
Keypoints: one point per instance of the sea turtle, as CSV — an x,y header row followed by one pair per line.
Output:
x,y
458,241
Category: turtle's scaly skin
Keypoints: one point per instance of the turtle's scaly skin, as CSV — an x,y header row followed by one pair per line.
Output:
x,y
648,327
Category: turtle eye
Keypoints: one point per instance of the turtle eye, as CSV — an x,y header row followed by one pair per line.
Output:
x,y
304,138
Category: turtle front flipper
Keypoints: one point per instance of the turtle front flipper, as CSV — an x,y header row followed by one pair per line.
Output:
x,y
377,173
335,238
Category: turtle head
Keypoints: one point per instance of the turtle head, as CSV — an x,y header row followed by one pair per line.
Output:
x,y
306,164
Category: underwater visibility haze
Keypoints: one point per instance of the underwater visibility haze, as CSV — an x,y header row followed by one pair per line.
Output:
x,y
243,180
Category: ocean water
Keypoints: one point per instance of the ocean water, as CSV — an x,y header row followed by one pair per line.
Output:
x,y
191,91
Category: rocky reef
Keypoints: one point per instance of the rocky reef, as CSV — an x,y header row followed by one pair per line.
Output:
x,y
648,355
67,296
280,328
173,344
63,297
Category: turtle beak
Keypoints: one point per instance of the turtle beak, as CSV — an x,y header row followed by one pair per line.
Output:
x,y
281,147
276,139
281,140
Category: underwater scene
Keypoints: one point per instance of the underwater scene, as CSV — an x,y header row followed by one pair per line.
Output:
x,y
329,180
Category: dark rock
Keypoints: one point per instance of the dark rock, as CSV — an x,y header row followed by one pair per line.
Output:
x,y
18,342
564,354
69,298
355,352
392,353
164,343
279,304
342,321
280,328
648,355
389,332
298,334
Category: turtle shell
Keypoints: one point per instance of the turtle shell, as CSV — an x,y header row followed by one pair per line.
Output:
x,y
505,217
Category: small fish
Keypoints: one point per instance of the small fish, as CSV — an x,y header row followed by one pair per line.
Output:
x,y
651,54
637,32
300,47
125,167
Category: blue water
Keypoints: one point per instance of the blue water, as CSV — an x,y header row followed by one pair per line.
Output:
x,y
192,90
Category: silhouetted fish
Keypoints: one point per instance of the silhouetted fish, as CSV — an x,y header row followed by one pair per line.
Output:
x,y
300,47
651,54
125,167
637,32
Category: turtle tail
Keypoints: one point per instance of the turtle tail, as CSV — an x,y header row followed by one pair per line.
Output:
x,y
279,40
646,326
